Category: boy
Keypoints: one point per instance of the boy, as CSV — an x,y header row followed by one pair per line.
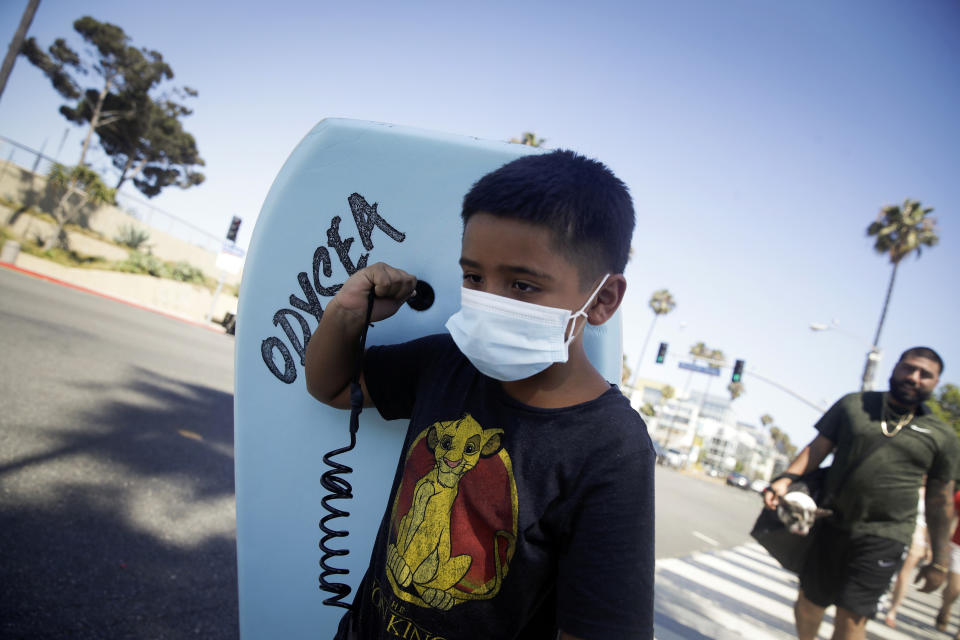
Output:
x,y
522,506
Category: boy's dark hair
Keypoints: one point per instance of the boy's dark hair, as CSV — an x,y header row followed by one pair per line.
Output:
x,y
587,208
923,352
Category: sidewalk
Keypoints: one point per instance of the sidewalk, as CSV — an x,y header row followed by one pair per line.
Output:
x,y
179,300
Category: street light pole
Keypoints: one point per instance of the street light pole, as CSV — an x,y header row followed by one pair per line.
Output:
x,y
873,355
870,368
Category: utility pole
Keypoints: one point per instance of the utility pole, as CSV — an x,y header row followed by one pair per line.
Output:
x,y
17,42
869,368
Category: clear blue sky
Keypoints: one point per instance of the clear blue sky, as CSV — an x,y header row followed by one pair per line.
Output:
x,y
759,139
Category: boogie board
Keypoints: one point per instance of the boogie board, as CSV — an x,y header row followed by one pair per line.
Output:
x,y
352,193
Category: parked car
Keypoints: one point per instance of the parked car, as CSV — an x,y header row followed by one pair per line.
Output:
x,y
735,479
758,485
660,451
674,458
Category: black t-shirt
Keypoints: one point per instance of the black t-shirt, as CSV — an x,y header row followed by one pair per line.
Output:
x,y
506,520
880,496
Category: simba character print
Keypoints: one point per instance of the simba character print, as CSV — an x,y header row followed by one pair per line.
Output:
x,y
454,521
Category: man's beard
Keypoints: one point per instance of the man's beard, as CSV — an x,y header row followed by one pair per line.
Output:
x,y
907,394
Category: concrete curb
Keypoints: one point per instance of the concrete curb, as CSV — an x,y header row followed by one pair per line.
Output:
x,y
205,325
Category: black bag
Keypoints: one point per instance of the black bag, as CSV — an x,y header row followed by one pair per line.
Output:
x,y
789,549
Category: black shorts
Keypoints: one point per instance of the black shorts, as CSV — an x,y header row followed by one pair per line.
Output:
x,y
850,573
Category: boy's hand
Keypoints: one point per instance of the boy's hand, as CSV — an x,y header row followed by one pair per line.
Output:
x,y
392,287
331,356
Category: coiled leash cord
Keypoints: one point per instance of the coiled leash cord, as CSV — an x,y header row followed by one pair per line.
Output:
x,y
339,488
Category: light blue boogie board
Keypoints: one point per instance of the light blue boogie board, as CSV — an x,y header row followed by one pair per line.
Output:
x,y
351,193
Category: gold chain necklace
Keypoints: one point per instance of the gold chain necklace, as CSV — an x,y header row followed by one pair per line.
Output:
x,y
900,423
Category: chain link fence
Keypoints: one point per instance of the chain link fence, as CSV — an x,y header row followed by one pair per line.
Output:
x,y
35,161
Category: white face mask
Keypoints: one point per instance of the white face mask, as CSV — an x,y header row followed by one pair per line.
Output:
x,y
509,339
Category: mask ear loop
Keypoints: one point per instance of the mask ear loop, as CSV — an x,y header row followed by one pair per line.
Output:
x,y
581,312
573,330
338,487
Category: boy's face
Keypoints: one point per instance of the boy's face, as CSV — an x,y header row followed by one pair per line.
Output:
x,y
516,259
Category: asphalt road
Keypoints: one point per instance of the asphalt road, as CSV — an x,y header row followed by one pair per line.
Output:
x,y
116,470
695,513
116,474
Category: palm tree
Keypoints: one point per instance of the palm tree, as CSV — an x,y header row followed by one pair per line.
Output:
x,y
666,393
713,357
900,231
530,139
81,181
780,439
699,350
782,442
661,303
736,390
717,358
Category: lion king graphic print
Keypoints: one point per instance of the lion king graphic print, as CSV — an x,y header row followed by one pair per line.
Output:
x,y
453,525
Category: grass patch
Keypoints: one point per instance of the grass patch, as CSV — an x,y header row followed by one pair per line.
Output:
x,y
5,235
70,226
16,206
29,211
90,233
65,257
145,263
137,262
8,203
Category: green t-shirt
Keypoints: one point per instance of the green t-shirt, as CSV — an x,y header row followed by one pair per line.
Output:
x,y
880,497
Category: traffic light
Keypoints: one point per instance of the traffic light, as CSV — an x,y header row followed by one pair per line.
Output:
x,y
737,371
234,227
661,352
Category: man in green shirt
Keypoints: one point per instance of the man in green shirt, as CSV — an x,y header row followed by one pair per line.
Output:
x,y
891,439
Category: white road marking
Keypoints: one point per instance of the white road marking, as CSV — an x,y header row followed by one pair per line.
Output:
x,y
710,541
730,589
732,594
716,562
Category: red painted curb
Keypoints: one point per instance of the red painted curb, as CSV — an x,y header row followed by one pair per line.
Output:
x,y
64,283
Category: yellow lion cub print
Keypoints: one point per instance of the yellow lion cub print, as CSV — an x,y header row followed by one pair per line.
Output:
x,y
420,558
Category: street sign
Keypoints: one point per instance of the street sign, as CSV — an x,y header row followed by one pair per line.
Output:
x,y
230,259
712,371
